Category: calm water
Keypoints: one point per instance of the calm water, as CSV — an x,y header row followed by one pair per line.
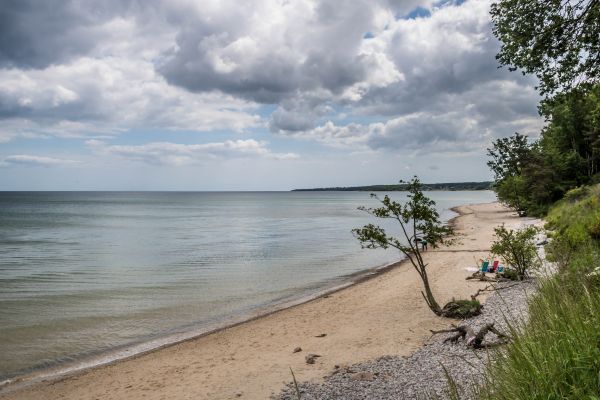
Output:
x,y
84,272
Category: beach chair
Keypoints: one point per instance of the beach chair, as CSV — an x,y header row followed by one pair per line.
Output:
x,y
484,266
494,266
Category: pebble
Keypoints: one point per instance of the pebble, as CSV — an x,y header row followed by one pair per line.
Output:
x,y
414,377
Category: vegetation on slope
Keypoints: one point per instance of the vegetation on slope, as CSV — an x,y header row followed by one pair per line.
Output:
x,y
556,355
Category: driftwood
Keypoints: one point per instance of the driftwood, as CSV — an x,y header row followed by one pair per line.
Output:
x,y
472,339
481,276
490,288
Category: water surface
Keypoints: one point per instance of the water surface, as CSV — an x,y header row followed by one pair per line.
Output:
x,y
84,272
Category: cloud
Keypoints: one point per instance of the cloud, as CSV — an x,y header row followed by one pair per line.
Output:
x,y
60,80
275,49
25,159
465,130
36,34
443,90
166,153
393,75
91,96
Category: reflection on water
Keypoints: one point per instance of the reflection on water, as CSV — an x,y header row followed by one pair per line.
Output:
x,y
82,272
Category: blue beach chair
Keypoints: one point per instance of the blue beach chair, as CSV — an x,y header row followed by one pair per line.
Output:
x,y
484,266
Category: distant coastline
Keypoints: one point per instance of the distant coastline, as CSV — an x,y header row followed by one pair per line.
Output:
x,y
451,186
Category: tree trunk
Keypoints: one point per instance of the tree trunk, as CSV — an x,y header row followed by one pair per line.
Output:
x,y
433,305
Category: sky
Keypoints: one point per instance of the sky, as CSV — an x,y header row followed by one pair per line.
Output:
x,y
251,95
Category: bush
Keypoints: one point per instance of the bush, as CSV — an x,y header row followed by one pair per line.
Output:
x,y
517,248
462,309
576,227
594,229
510,274
595,179
576,193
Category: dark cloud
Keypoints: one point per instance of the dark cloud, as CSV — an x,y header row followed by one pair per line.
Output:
x,y
283,120
35,34
297,114
426,132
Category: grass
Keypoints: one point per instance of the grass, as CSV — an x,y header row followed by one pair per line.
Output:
x,y
296,389
557,355
462,309
575,225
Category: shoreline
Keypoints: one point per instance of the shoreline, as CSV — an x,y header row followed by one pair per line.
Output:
x,y
138,349
135,349
355,280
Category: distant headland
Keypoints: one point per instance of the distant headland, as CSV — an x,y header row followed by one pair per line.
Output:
x,y
452,186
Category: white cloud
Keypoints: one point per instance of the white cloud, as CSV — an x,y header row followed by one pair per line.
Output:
x,y
26,159
92,96
183,154
222,67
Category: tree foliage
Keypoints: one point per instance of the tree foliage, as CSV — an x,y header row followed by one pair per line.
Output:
x,y
508,156
417,218
529,177
574,128
557,40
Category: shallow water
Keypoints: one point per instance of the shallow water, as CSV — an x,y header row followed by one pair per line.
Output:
x,y
84,272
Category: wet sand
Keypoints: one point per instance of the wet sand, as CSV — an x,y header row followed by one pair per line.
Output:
x,y
384,315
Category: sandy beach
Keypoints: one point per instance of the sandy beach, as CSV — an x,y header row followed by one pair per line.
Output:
x,y
385,315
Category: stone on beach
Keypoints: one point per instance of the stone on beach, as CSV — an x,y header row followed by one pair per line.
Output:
x,y
311,358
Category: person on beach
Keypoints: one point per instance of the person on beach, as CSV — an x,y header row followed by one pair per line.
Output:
x,y
423,244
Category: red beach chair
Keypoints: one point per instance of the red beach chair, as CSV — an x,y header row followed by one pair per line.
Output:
x,y
494,266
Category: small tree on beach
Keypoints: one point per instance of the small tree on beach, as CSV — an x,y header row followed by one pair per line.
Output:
x,y
517,248
418,218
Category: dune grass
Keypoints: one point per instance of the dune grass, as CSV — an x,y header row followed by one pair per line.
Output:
x,y
557,354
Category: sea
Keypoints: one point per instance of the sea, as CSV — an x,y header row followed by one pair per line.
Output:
x,y
90,277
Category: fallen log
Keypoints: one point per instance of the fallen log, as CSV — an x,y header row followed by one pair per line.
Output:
x,y
472,339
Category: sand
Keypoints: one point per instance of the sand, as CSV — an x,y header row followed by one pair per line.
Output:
x,y
385,315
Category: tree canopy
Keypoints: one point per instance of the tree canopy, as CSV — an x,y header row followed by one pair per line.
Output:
x,y
557,40
529,176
